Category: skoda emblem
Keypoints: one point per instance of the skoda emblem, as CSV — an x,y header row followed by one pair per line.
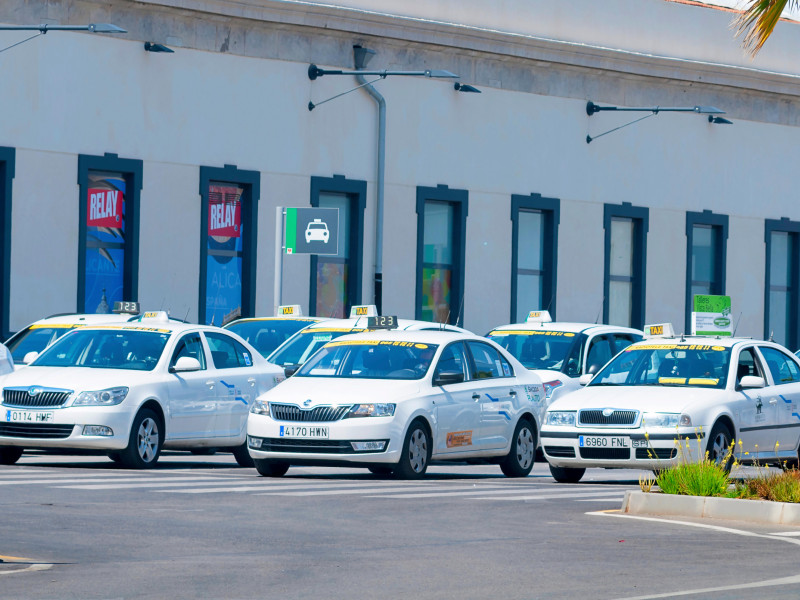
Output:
x,y
34,391
307,402
607,412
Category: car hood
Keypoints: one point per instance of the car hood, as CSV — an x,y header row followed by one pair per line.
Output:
x,y
645,398
74,378
330,390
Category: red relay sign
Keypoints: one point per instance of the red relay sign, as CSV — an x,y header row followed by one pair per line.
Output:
x,y
104,208
224,212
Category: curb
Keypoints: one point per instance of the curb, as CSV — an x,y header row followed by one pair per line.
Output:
x,y
733,509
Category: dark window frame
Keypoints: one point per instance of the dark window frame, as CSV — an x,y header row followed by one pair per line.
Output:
x,y
356,192
132,170
459,199
784,225
719,225
551,213
640,216
7,171
250,181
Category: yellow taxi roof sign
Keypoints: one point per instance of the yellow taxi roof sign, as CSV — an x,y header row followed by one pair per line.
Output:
x,y
364,310
290,310
659,330
539,316
159,316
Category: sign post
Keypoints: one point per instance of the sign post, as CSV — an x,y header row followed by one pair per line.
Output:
x,y
712,315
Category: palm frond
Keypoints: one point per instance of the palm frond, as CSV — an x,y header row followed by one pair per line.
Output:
x,y
758,20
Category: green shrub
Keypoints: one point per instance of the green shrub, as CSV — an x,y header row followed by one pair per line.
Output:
x,y
702,478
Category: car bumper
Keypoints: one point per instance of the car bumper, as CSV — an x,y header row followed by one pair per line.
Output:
x,y
65,428
270,439
619,448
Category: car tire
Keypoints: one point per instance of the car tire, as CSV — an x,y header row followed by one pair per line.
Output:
x,y
10,454
520,458
203,451
381,471
116,457
242,456
270,468
566,474
145,441
719,440
416,453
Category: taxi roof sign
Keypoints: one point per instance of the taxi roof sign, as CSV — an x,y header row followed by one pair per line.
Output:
x,y
290,310
131,308
539,316
659,330
160,316
364,310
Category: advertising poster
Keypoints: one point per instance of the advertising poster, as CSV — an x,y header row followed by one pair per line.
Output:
x,y
331,288
225,253
712,315
436,294
105,241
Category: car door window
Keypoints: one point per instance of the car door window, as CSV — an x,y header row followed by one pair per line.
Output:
x,y
227,353
452,360
748,365
189,345
782,368
623,340
599,352
486,361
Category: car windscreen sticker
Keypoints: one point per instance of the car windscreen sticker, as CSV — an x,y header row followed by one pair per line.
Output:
x,y
336,330
247,360
57,325
689,381
700,347
397,344
506,370
322,337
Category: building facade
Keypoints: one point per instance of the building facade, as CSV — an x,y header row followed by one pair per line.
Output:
x,y
158,177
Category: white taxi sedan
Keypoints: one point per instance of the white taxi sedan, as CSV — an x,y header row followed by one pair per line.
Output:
x,y
393,401
135,388
561,352
641,408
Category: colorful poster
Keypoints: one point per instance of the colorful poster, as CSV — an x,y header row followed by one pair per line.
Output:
x,y
712,315
104,208
224,211
331,288
436,301
225,253
105,241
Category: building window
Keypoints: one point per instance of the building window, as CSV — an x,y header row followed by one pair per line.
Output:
x,y
7,160
782,277
625,264
441,232
228,225
706,251
108,255
336,279
534,248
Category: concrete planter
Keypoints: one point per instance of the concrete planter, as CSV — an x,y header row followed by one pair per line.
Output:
x,y
754,511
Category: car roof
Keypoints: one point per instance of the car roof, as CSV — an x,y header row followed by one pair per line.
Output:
x,y
402,324
414,336
699,340
82,319
587,328
279,319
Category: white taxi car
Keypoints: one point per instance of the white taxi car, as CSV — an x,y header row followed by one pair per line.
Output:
x,y
561,352
132,389
641,408
393,401
265,334
299,348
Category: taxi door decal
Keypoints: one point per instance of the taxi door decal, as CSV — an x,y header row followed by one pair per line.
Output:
x,y
232,391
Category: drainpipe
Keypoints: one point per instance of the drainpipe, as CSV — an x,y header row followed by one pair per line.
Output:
x,y
362,57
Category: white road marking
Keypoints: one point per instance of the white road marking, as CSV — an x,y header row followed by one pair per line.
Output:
x,y
787,533
271,486
34,567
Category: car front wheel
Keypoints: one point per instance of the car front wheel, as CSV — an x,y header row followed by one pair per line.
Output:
x,y
242,456
566,474
270,468
144,444
416,453
718,449
519,461
9,454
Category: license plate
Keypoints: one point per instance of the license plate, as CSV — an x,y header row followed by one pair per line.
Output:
x,y
604,441
29,416
304,431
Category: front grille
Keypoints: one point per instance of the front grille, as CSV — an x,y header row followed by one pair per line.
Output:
x,y
606,453
560,451
45,398
659,453
316,446
48,431
596,417
318,414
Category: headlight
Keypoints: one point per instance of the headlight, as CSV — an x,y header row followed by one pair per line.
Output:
x,y
549,386
560,418
260,407
371,410
110,397
660,420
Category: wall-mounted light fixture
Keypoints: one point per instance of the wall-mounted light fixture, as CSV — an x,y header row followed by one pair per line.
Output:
x,y
153,47
44,28
592,108
465,87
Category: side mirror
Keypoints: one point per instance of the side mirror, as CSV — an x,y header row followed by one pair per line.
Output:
x,y
290,370
751,382
593,369
585,378
30,357
185,364
448,378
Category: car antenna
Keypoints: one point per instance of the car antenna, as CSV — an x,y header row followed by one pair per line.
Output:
x,y
187,314
735,327
460,314
597,318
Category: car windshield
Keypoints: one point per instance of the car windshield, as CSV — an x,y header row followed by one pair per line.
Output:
x,y
370,359
34,339
265,336
542,349
668,364
106,349
317,226
298,348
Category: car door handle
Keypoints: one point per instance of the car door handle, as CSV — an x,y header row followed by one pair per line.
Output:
x,y
773,401
513,392
476,397
210,384
252,381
